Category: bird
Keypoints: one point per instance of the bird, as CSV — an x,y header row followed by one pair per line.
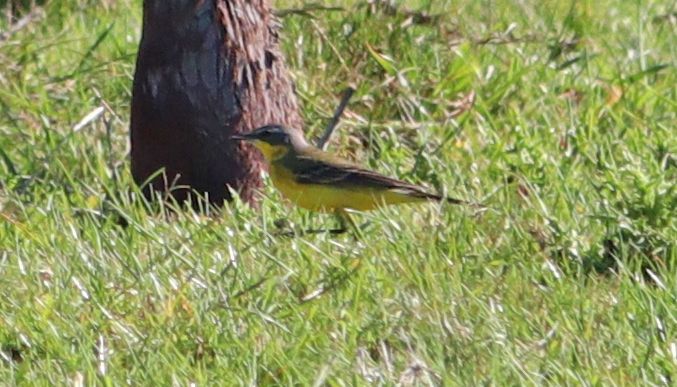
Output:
x,y
320,181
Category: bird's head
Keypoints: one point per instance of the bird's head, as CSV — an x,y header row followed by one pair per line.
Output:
x,y
274,141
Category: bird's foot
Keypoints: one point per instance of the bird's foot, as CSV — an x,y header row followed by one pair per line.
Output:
x,y
286,229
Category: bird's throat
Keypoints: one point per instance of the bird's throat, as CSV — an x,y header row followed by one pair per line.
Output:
x,y
271,152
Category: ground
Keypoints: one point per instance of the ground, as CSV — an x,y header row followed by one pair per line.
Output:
x,y
559,116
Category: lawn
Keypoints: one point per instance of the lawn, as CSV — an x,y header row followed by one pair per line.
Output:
x,y
559,116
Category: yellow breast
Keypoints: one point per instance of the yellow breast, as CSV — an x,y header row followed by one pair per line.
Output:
x,y
327,198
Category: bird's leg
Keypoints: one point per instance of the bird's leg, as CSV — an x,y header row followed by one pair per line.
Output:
x,y
342,228
284,228
346,223
283,224
346,220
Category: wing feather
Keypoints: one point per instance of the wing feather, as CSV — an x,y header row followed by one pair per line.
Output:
x,y
318,169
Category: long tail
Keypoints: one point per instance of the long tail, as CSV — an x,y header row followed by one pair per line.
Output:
x,y
450,200
422,195
439,198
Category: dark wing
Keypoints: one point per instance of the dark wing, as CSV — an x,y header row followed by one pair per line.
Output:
x,y
324,169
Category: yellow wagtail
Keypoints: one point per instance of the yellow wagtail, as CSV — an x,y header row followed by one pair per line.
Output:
x,y
319,181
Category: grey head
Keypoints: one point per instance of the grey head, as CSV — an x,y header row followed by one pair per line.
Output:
x,y
274,135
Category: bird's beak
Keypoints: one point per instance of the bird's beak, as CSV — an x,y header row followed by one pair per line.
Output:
x,y
240,137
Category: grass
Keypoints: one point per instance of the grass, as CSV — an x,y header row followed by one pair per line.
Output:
x,y
569,279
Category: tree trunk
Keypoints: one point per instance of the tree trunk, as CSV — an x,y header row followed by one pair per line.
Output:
x,y
206,69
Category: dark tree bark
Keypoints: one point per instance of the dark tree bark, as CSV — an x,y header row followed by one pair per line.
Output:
x,y
206,69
